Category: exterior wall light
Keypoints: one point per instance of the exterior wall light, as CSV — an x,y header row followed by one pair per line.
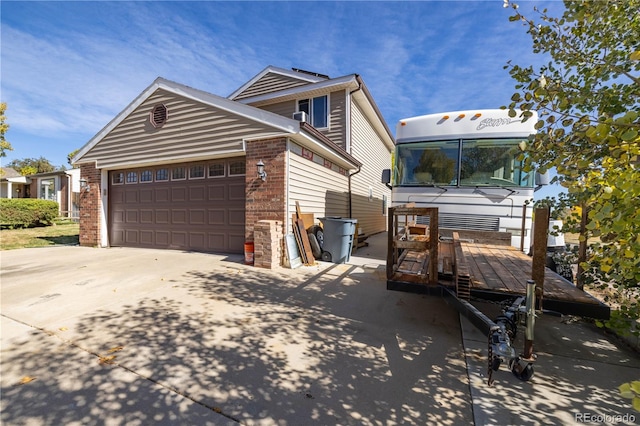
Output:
x,y
84,185
262,174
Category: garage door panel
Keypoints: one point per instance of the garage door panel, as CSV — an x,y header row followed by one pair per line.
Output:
x,y
236,217
178,194
116,197
236,191
216,217
216,192
178,217
162,216
179,239
146,237
236,239
117,238
162,195
217,241
197,193
117,216
197,217
131,196
162,238
131,236
200,214
131,216
146,195
197,240
146,216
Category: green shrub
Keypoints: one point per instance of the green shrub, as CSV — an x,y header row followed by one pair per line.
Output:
x,y
26,212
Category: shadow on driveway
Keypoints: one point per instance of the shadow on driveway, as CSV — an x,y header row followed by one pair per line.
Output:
x,y
227,343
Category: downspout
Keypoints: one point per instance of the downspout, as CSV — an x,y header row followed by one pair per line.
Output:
x,y
359,167
350,200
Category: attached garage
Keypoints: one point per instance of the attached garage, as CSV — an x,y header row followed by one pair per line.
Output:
x,y
192,206
183,169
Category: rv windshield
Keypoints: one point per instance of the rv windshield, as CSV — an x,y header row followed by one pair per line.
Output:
x,y
467,162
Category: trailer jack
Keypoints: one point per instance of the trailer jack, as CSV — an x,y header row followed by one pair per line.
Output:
x,y
502,332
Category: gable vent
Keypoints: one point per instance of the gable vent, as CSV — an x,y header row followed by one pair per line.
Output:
x,y
158,115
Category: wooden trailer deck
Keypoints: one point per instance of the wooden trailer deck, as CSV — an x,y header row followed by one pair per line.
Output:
x,y
495,269
472,266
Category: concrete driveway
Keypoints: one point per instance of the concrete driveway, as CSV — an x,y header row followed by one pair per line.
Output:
x,y
134,336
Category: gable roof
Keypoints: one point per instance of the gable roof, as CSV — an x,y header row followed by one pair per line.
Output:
x,y
302,78
317,86
284,124
9,172
278,123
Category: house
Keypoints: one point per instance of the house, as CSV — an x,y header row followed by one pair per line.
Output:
x,y
178,167
61,186
13,184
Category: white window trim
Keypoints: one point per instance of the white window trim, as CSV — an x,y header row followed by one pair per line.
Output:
x,y
113,175
235,174
224,170
153,174
310,114
186,172
126,178
205,171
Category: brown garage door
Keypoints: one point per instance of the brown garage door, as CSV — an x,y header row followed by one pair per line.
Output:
x,y
194,206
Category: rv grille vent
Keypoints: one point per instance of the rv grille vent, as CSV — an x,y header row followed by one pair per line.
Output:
x,y
459,221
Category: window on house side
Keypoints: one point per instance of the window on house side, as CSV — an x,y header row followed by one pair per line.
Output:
x,y
146,176
316,109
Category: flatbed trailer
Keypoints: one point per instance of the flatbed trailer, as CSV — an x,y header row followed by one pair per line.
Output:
x,y
472,267
468,266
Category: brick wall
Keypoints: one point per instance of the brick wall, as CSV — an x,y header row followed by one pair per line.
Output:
x,y
265,200
268,241
90,206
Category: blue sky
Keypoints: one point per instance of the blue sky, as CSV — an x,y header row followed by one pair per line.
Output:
x,y
68,68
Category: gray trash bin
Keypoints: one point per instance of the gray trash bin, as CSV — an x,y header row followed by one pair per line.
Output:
x,y
337,238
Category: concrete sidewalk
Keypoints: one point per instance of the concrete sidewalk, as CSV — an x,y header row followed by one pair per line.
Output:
x,y
134,336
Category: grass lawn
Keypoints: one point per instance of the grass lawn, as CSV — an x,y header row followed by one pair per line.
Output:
x,y
44,236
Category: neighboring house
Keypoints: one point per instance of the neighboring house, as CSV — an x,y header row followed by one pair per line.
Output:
x,y
61,186
13,184
178,167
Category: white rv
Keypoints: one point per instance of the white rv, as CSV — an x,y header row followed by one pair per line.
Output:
x,y
469,164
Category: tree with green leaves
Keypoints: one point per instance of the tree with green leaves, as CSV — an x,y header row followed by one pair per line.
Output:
x,y
4,144
71,155
30,166
588,100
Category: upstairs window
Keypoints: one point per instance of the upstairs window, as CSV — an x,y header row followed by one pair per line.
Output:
x,y
317,110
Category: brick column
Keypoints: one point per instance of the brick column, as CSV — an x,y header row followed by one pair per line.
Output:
x,y
268,240
90,206
265,200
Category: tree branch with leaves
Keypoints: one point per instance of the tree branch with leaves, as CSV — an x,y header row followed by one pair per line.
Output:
x,y
4,144
588,100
